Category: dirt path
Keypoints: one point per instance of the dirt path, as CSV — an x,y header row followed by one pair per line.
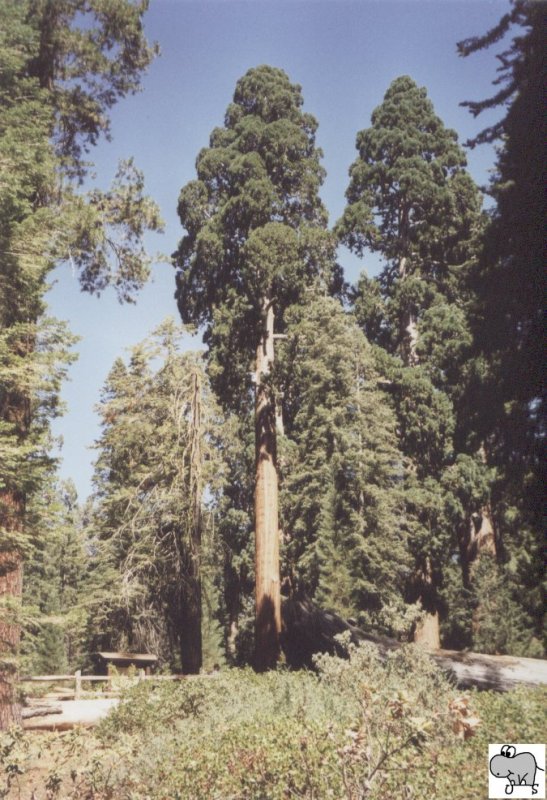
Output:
x,y
74,712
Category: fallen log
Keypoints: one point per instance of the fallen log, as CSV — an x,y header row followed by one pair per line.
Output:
x,y
498,673
40,711
73,713
309,629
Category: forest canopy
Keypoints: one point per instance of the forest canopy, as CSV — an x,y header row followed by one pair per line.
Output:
x,y
374,448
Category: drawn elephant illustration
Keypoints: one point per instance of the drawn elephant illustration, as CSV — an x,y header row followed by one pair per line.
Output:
x,y
519,768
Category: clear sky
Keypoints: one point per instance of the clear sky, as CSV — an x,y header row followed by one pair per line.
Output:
x,y
344,54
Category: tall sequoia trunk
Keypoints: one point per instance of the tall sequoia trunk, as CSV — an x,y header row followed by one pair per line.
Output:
x,y
15,411
267,591
190,631
11,590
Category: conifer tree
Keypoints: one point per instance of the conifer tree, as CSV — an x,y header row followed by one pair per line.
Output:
x,y
255,238
155,460
64,65
506,398
411,200
342,471
54,589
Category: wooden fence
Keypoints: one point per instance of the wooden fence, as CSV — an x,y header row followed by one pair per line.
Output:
x,y
114,682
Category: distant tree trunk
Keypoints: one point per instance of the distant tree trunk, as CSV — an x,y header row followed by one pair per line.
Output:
x,y
190,631
481,534
427,632
268,596
408,327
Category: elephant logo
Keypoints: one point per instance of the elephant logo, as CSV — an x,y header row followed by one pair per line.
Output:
x,y
518,765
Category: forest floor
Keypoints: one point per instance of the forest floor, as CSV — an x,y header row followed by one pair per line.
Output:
x,y
397,730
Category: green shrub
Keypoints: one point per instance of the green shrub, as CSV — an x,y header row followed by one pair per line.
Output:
x,y
359,728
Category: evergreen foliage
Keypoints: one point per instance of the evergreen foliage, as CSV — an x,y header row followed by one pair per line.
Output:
x,y
506,399
255,239
346,542
396,431
55,586
256,227
411,200
155,460
63,66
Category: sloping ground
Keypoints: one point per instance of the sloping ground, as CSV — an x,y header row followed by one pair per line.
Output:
x,y
309,629
73,712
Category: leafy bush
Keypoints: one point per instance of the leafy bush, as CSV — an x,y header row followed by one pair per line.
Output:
x,y
359,729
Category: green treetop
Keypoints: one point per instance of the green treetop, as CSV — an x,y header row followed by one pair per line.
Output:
x,y
255,224
411,200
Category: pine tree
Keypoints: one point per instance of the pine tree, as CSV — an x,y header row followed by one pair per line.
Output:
x,y
255,238
411,200
155,461
54,589
342,471
506,399
58,79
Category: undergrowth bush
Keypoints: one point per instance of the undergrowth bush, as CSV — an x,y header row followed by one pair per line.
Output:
x,y
359,729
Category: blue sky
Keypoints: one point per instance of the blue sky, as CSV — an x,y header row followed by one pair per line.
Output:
x,y
344,54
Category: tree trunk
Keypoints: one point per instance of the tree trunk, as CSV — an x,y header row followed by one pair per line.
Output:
x,y
408,330
190,632
427,632
15,410
477,536
481,534
267,591
11,589
190,628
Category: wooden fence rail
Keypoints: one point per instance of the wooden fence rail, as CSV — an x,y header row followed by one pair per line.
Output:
x,y
77,678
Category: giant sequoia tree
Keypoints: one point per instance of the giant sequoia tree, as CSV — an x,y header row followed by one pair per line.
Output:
x,y
255,239
411,200
64,65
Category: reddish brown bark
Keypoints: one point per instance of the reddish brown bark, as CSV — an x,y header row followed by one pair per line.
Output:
x,y
478,535
267,591
14,410
11,588
427,632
